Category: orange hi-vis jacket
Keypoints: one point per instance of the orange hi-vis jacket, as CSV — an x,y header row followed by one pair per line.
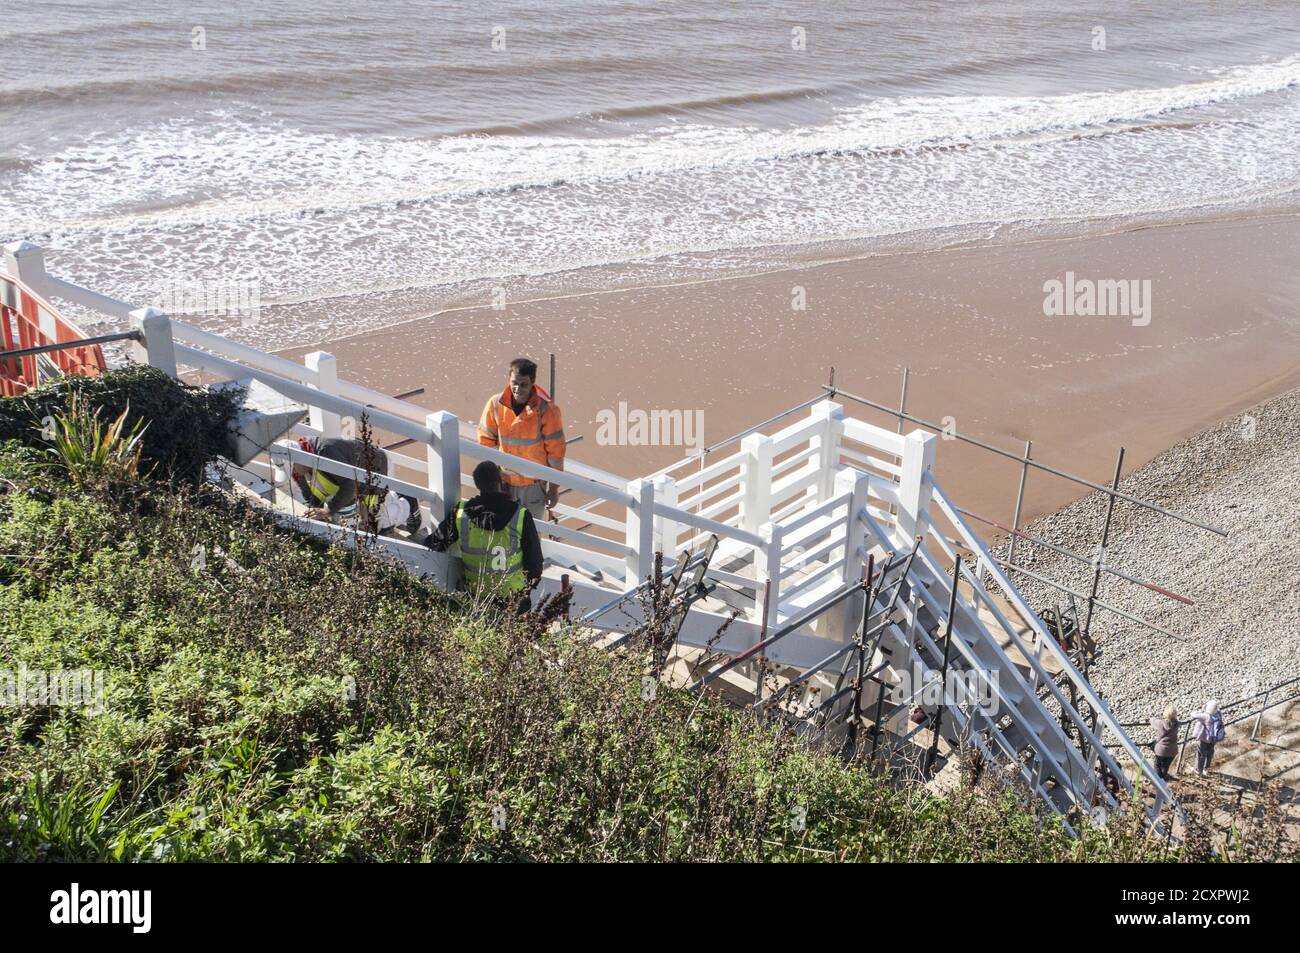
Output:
x,y
537,434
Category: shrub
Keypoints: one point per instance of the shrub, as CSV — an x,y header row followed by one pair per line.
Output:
x,y
94,455
186,426
284,700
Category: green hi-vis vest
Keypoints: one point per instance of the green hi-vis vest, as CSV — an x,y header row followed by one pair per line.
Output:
x,y
493,559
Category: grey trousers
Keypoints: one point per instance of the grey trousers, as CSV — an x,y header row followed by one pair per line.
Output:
x,y
532,498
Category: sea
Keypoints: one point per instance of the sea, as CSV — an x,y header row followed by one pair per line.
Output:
x,y
365,164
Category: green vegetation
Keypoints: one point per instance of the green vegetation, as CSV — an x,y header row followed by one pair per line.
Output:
x,y
92,454
269,697
183,427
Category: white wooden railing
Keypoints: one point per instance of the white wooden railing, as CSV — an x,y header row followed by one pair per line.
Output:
x,y
775,502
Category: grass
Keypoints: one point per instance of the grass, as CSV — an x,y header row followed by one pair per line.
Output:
x,y
278,699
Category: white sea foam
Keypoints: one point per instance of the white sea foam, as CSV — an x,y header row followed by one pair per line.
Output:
x,y
227,165
311,215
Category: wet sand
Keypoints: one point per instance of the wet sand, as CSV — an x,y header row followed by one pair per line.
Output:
x,y
1224,334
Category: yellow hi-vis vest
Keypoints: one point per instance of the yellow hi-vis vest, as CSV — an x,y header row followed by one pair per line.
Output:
x,y
323,489
493,559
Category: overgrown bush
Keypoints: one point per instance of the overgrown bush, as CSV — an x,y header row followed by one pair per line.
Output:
x,y
269,697
186,425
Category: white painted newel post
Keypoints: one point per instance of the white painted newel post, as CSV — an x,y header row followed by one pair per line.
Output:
x,y
755,481
154,346
327,382
854,483
26,262
444,477
827,442
843,620
768,570
640,532
444,463
665,528
914,485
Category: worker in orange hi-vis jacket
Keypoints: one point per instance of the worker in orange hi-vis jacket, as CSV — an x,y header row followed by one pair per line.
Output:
x,y
524,422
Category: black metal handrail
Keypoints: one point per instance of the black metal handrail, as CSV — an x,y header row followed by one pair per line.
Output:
x,y
68,345
1262,693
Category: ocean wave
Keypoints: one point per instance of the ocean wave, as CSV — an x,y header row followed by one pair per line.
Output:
x,y
226,164
313,216
330,77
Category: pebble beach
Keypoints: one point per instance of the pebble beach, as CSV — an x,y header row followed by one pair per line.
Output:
x,y
1243,633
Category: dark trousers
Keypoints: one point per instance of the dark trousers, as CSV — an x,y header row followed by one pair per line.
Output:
x,y
1204,755
1162,766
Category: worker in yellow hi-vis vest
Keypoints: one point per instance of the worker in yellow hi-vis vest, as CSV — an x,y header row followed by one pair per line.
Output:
x,y
496,539
336,498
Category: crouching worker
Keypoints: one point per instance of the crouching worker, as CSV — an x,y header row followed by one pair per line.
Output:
x,y
333,497
496,539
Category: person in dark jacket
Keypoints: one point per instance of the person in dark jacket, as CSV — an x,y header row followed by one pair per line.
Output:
x,y
333,497
497,541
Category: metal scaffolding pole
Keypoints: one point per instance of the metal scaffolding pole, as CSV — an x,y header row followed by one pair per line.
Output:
x,y
902,399
1020,500
1105,538
943,672
937,428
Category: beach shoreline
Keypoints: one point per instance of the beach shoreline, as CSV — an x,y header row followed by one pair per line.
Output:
x,y
1222,334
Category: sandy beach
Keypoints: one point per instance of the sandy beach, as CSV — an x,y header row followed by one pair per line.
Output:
x,y
1222,333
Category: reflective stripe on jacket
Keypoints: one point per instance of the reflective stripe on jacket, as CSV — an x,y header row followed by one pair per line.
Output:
x,y
338,493
321,486
323,489
493,559
537,434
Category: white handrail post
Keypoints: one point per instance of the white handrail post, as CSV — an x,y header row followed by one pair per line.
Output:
x,y
842,621
756,481
640,532
828,444
914,484
666,529
26,262
444,463
854,483
327,381
154,346
768,570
